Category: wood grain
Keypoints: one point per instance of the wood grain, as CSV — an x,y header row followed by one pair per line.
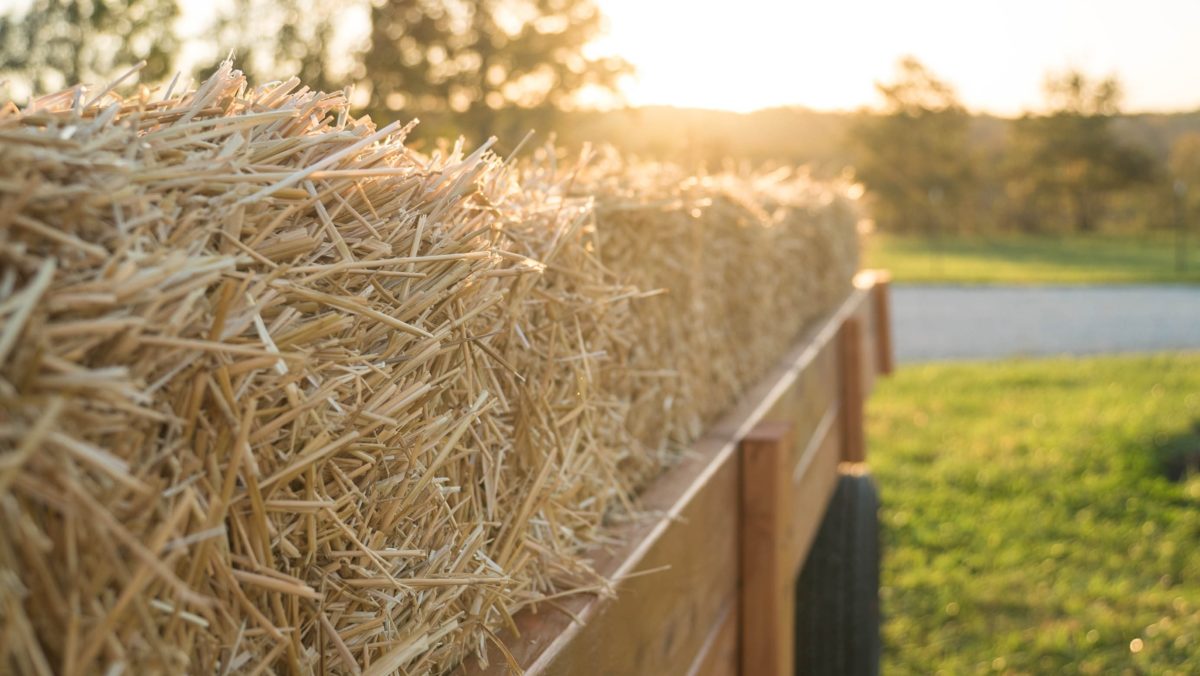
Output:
x,y
882,293
720,656
767,615
813,481
853,390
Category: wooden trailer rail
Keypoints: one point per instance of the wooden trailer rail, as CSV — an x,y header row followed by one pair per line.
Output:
x,y
705,587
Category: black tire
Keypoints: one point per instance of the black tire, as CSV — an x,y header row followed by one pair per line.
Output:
x,y
837,594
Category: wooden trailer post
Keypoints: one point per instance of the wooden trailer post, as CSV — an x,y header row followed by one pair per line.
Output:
x,y
851,348
882,293
767,581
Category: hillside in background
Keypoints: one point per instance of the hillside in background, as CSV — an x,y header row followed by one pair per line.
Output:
x,y
1156,131
784,135
800,135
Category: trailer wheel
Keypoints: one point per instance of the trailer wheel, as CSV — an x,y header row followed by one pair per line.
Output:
x,y
837,594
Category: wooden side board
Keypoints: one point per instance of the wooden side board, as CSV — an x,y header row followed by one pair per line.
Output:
x,y
788,478
720,655
663,620
681,578
676,583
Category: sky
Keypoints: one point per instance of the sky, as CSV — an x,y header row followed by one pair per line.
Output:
x,y
749,54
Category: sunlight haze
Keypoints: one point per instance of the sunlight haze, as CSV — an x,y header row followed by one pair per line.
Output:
x,y
758,53
754,54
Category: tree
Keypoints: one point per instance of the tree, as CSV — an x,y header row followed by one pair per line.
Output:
x,y
1185,162
914,158
275,39
1069,160
58,43
474,66
1184,166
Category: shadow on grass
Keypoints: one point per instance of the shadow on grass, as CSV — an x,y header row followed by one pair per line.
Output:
x,y
1179,454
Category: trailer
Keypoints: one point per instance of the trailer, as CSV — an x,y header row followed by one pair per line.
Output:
x,y
709,585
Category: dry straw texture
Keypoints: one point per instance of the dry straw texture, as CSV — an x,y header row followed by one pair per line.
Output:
x,y
282,395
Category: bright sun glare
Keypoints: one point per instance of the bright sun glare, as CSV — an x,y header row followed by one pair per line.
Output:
x,y
752,54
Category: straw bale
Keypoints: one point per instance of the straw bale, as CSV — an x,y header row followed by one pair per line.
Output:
x,y
747,260
281,394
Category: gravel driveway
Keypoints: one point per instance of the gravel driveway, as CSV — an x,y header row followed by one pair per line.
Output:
x,y
987,322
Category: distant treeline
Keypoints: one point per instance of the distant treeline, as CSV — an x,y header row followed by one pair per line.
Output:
x,y
470,67
932,168
797,135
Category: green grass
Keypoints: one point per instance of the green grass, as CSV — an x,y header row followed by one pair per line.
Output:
x,y
1016,259
1027,524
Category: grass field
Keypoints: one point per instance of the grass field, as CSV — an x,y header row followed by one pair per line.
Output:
x,y
1028,260
1028,527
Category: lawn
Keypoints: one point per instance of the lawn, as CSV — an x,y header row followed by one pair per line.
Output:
x,y
1027,522
1028,259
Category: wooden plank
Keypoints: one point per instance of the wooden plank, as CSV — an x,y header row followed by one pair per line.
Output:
x,y
720,656
663,619
767,586
853,391
805,404
813,481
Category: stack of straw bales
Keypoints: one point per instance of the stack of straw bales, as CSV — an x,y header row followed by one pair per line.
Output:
x,y
281,394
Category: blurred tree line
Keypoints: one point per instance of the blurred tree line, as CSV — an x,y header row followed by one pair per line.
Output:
x,y
477,67
1070,167
933,168
502,67
55,43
